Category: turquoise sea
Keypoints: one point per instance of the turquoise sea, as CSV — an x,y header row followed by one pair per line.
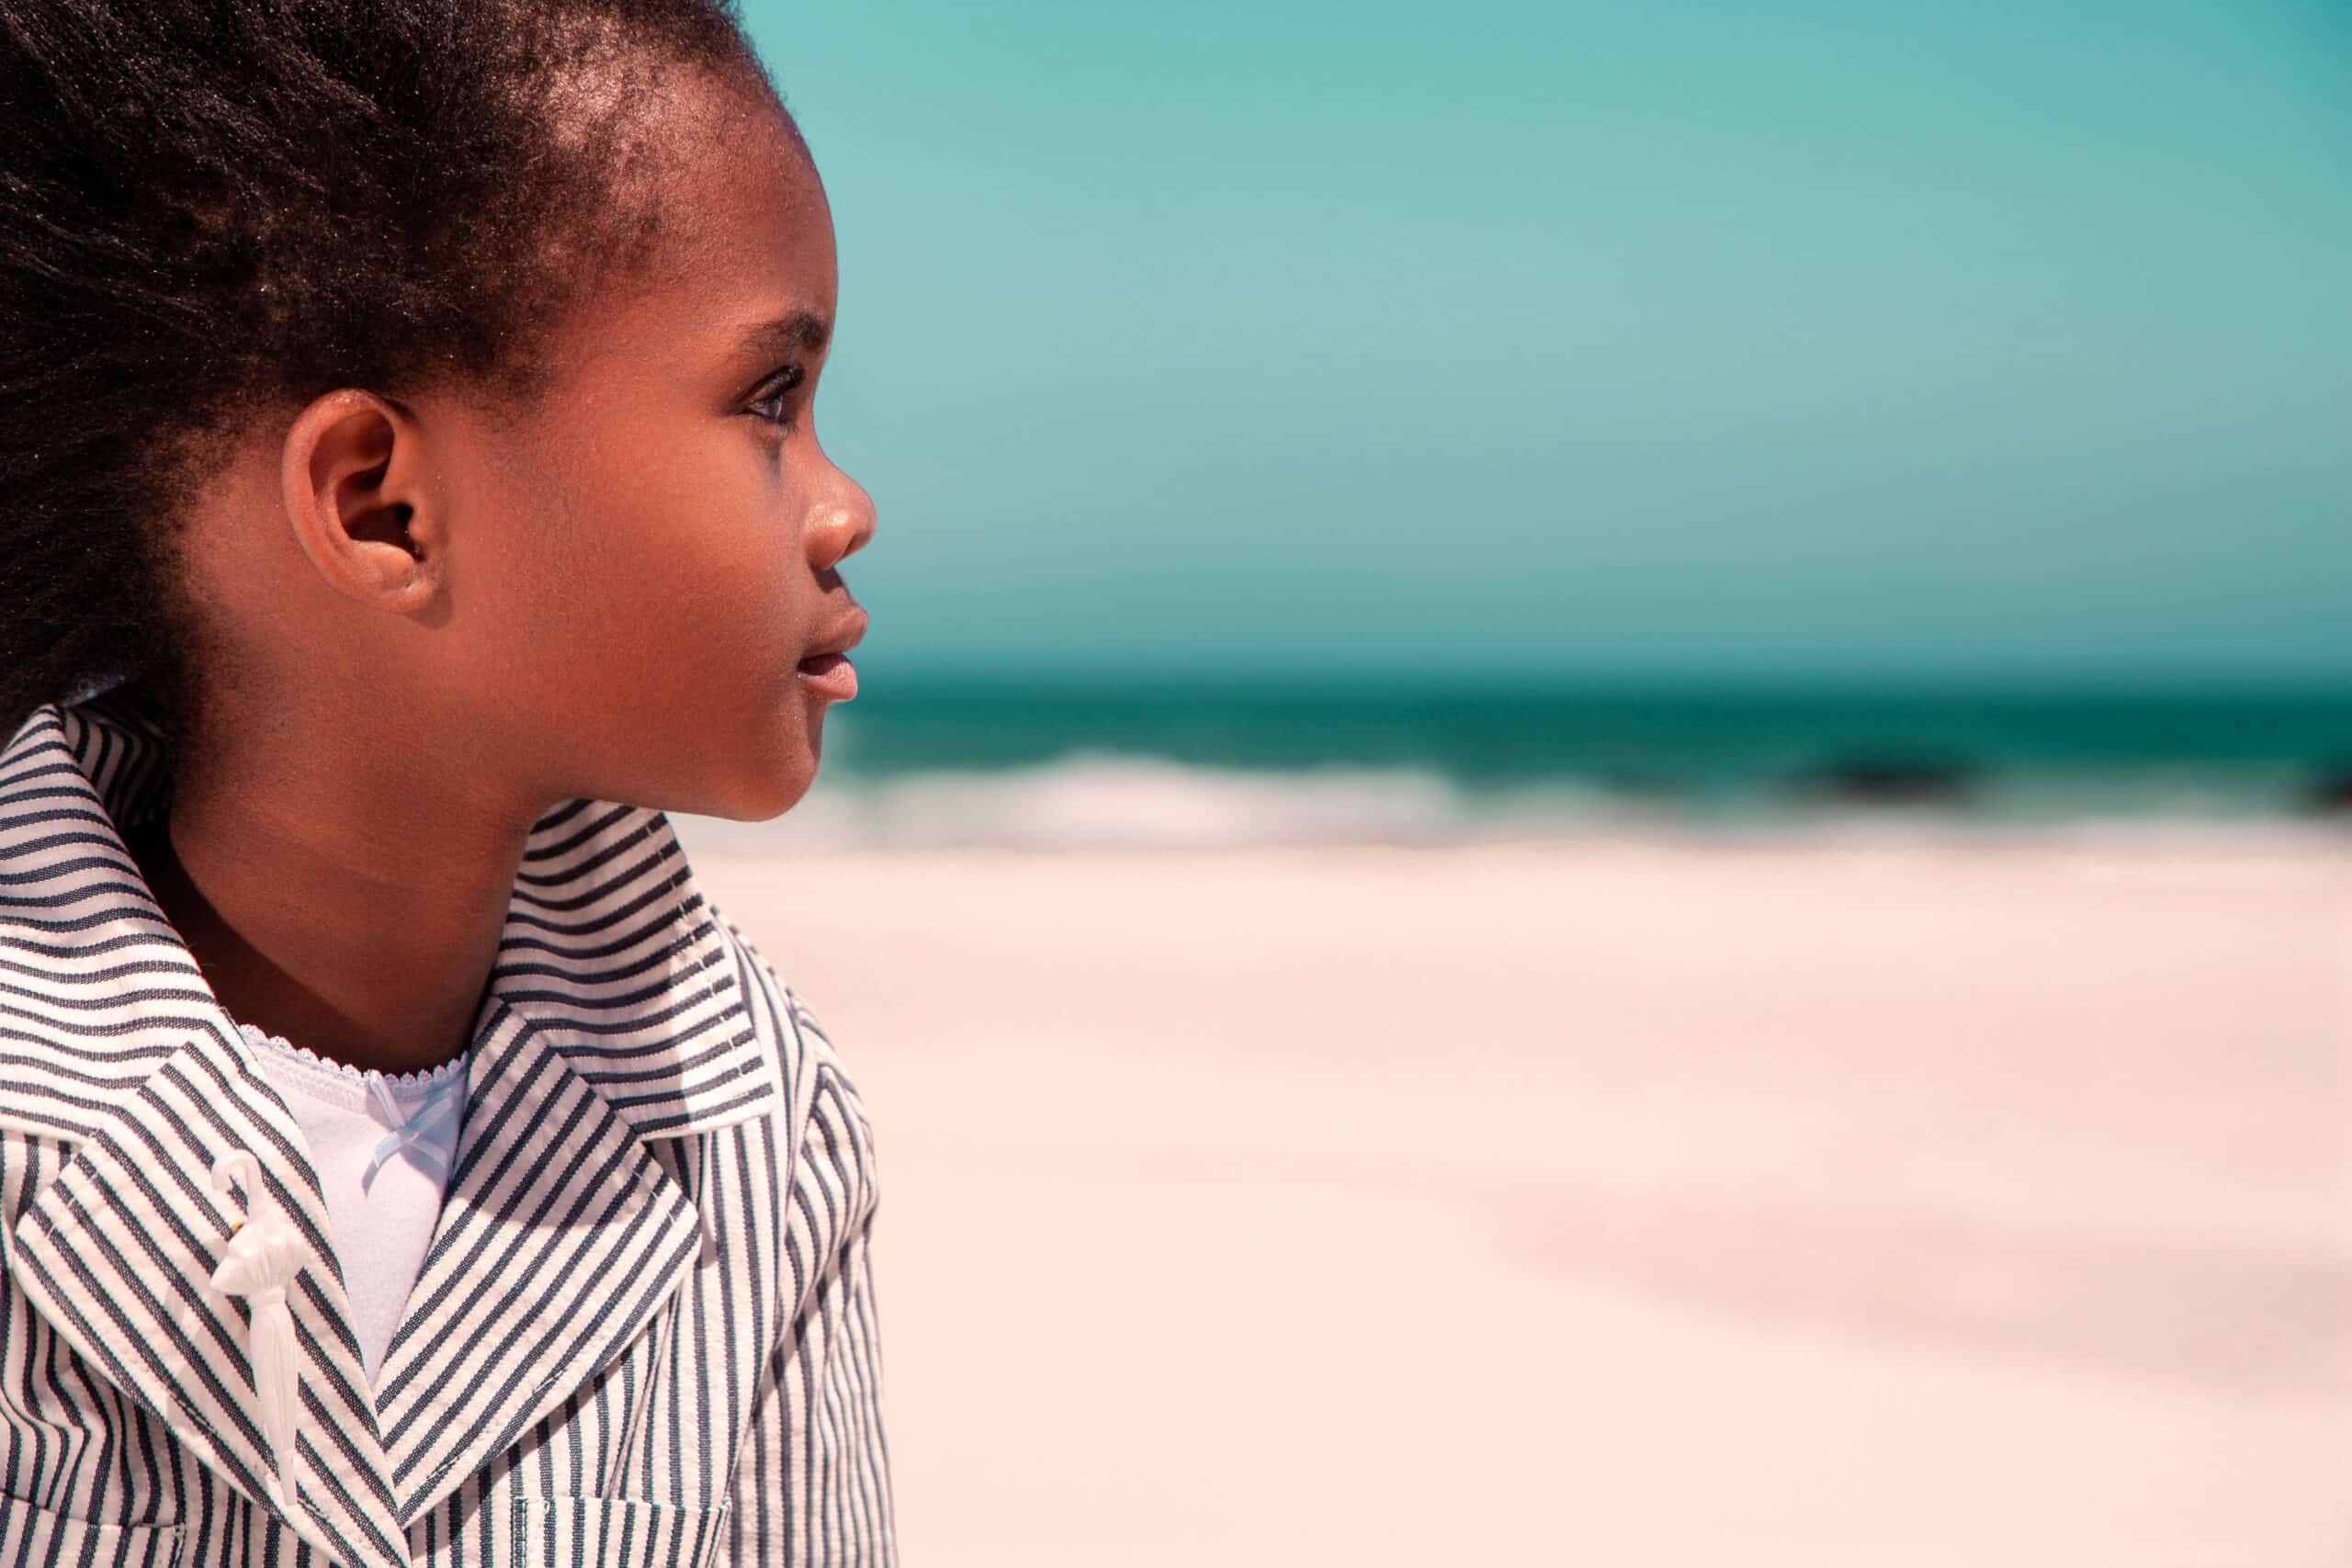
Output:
x,y
945,759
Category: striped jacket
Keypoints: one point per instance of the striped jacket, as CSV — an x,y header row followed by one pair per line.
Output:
x,y
644,1332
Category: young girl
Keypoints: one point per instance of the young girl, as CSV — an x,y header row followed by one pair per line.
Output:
x,y
408,495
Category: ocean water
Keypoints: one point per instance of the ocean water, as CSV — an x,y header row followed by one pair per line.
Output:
x,y
1046,764
1141,763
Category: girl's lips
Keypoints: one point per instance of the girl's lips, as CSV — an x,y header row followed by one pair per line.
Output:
x,y
831,676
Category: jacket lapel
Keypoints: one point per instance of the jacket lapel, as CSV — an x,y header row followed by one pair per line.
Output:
x,y
616,1015
118,1250
560,1237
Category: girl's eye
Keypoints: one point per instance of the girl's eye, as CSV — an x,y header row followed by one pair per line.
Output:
x,y
776,391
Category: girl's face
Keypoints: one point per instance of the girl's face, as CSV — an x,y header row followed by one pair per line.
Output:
x,y
635,580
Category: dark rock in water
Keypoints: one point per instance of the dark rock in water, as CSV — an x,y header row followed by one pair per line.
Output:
x,y
1635,784
2332,794
1893,781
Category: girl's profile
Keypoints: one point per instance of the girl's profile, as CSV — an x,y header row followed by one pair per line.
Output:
x,y
409,495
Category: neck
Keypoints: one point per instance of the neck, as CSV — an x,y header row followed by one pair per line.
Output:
x,y
358,916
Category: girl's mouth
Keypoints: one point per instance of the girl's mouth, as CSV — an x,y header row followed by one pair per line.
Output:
x,y
831,676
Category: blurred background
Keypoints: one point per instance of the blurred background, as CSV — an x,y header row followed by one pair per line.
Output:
x,y
1602,806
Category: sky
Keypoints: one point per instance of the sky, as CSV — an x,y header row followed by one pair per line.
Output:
x,y
1592,340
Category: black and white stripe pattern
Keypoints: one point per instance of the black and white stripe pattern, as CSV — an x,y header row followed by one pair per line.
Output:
x,y
645,1332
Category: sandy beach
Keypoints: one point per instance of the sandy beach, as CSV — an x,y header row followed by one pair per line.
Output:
x,y
1872,1201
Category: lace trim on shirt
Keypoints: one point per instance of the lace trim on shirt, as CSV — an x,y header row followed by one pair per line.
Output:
x,y
398,1083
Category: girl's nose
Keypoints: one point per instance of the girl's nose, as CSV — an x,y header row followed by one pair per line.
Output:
x,y
841,524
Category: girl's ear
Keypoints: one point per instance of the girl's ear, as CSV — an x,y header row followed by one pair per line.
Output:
x,y
358,499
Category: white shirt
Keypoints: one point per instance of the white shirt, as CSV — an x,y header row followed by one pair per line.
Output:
x,y
384,1223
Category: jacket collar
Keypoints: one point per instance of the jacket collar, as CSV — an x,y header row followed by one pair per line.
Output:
x,y
614,1019
609,951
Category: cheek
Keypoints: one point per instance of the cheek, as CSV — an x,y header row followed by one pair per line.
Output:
x,y
684,564
632,612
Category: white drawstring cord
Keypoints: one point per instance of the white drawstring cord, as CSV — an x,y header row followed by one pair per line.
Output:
x,y
430,1130
264,1255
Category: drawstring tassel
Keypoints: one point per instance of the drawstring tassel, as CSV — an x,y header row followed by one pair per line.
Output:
x,y
264,1255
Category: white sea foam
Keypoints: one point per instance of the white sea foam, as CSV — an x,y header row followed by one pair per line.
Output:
x,y
1100,800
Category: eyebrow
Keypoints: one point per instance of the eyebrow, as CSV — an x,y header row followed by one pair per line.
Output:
x,y
803,331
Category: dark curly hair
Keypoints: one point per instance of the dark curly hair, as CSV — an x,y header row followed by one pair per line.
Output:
x,y
213,210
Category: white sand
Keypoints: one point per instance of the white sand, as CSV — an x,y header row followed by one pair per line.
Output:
x,y
1872,1202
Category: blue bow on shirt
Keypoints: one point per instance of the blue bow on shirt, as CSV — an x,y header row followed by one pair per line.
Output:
x,y
429,1133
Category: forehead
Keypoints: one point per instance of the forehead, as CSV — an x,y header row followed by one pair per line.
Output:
x,y
743,231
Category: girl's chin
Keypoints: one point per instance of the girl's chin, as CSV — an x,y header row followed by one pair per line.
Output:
x,y
794,773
